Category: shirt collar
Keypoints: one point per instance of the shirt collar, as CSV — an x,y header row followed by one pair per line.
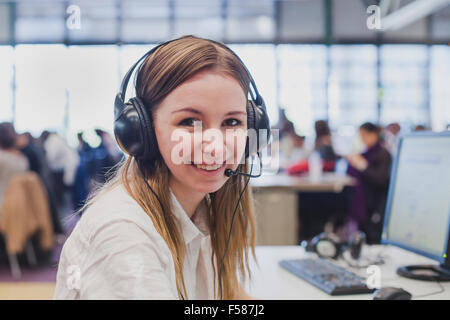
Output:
x,y
198,226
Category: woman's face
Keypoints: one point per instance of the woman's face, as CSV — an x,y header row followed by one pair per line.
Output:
x,y
193,125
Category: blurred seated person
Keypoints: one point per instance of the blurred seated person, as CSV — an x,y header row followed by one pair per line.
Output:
x,y
107,155
284,125
60,156
12,161
323,147
25,144
87,157
390,136
323,143
83,146
63,163
292,147
371,169
420,127
36,159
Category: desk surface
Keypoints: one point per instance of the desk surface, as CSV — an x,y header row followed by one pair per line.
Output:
x,y
329,182
270,281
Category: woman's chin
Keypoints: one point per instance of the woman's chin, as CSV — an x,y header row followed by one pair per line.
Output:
x,y
208,187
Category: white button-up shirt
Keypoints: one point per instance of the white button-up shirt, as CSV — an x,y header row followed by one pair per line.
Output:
x,y
115,252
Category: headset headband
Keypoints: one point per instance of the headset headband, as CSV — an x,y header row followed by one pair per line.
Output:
x,y
119,104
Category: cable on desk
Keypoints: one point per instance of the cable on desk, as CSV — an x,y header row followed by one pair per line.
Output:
x,y
432,293
378,260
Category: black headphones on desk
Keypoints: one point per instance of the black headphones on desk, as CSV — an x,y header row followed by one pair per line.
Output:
x,y
133,123
328,245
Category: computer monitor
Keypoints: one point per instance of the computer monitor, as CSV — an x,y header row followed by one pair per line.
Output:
x,y
417,216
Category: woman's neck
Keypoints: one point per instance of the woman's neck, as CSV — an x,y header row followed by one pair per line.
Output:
x,y
188,198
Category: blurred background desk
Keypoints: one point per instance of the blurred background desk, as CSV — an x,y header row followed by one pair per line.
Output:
x,y
277,206
270,281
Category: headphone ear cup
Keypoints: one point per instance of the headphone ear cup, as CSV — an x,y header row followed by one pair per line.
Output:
x,y
128,131
149,143
250,127
257,120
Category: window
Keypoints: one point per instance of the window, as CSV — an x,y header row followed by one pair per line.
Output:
x,y
440,80
198,17
145,21
6,83
71,89
260,61
303,83
352,87
250,20
404,77
98,22
40,21
129,55
92,83
41,96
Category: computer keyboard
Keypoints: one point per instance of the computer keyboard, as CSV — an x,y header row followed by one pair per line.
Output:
x,y
327,276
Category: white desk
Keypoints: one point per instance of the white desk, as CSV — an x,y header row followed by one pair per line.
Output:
x,y
270,281
328,182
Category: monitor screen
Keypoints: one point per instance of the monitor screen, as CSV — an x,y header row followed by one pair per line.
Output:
x,y
418,207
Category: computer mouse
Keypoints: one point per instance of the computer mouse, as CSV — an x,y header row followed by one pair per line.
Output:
x,y
391,293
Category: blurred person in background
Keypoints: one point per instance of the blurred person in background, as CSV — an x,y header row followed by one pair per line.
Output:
x,y
283,124
83,145
63,163
371,170
87,156
12,161
323,143
25,144
390,137
420,127
36,159
291,146
106,156
84,174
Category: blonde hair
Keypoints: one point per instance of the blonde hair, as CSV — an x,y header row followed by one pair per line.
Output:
x,y
169,66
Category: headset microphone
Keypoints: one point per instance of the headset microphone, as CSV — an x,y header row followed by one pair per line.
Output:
x,y
229,172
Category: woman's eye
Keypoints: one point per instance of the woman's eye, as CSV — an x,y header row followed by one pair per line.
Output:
x,y
190,122
232,122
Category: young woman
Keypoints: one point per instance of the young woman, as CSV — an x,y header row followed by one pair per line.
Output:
x,y
175,242
371,169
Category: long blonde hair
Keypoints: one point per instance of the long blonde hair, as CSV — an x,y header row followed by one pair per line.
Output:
x,y
169,66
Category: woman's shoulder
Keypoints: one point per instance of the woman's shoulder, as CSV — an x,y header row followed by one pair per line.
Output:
x,y
115,207
113,243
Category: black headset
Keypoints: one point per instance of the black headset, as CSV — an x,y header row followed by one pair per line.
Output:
x,y
133,123
328,245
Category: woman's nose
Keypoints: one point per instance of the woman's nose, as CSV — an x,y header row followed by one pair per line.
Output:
x,y
213,146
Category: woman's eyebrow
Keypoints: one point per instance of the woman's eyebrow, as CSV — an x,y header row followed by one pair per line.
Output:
x,y
190,109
